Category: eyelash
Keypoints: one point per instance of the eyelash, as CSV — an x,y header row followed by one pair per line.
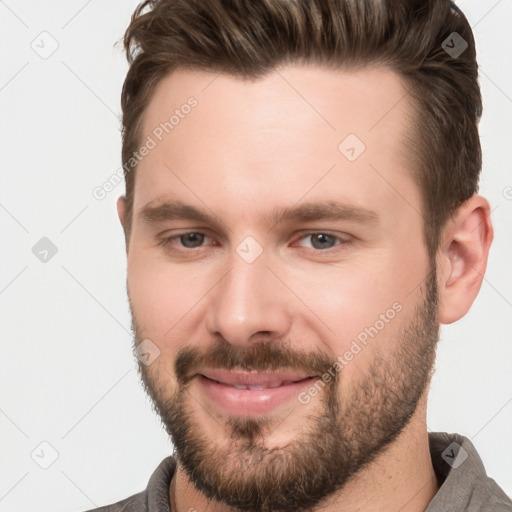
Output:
x,y
167,241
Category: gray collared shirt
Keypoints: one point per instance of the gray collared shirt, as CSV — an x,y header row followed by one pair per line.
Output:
x,y
465,485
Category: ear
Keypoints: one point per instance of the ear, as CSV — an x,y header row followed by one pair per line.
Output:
x,y
462,258
121,209
121,213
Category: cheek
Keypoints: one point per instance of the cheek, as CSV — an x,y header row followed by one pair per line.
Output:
x,y
159,293
349,298
167,301
358,308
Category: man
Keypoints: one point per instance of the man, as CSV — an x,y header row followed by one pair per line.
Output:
x,y
301,215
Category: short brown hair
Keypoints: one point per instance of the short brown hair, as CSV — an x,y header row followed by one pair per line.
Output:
x,y
249,38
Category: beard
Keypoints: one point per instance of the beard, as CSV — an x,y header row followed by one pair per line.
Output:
x,y
342,434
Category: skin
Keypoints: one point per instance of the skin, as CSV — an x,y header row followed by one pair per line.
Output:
x,y
245,149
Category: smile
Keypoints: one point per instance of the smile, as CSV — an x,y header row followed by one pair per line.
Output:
x,y
250,393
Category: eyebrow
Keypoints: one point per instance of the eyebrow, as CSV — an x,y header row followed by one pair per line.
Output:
x,y
306,212
172,210
327,210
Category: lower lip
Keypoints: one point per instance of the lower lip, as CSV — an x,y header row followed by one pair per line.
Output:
x,y
250,402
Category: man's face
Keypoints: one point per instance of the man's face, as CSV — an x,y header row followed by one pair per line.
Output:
x,y
277,241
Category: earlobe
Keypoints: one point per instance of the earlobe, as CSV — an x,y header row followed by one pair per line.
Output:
x,y
462,258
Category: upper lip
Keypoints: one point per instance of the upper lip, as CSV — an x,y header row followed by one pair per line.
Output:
x,y
242,378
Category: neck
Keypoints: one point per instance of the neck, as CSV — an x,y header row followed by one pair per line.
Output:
x,y
400,478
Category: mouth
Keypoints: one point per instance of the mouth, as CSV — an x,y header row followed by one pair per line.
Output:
x,y
253,380
250,393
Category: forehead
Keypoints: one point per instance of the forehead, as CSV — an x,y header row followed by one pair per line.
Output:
x,y
278,136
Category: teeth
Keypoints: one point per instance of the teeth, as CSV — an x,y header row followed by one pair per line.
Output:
x,y
256,387
259,387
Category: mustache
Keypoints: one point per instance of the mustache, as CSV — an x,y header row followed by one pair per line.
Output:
x,y
262,357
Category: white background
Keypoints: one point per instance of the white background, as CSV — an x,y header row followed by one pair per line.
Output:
x,y
67,372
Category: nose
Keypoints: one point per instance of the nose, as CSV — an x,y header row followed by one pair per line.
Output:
x,y
249,303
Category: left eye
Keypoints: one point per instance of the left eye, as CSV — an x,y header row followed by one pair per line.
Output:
x,y
320,240
192,240
189,240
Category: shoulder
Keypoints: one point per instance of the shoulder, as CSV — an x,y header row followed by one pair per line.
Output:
x,y
489,497
155,498
464,483
135,503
